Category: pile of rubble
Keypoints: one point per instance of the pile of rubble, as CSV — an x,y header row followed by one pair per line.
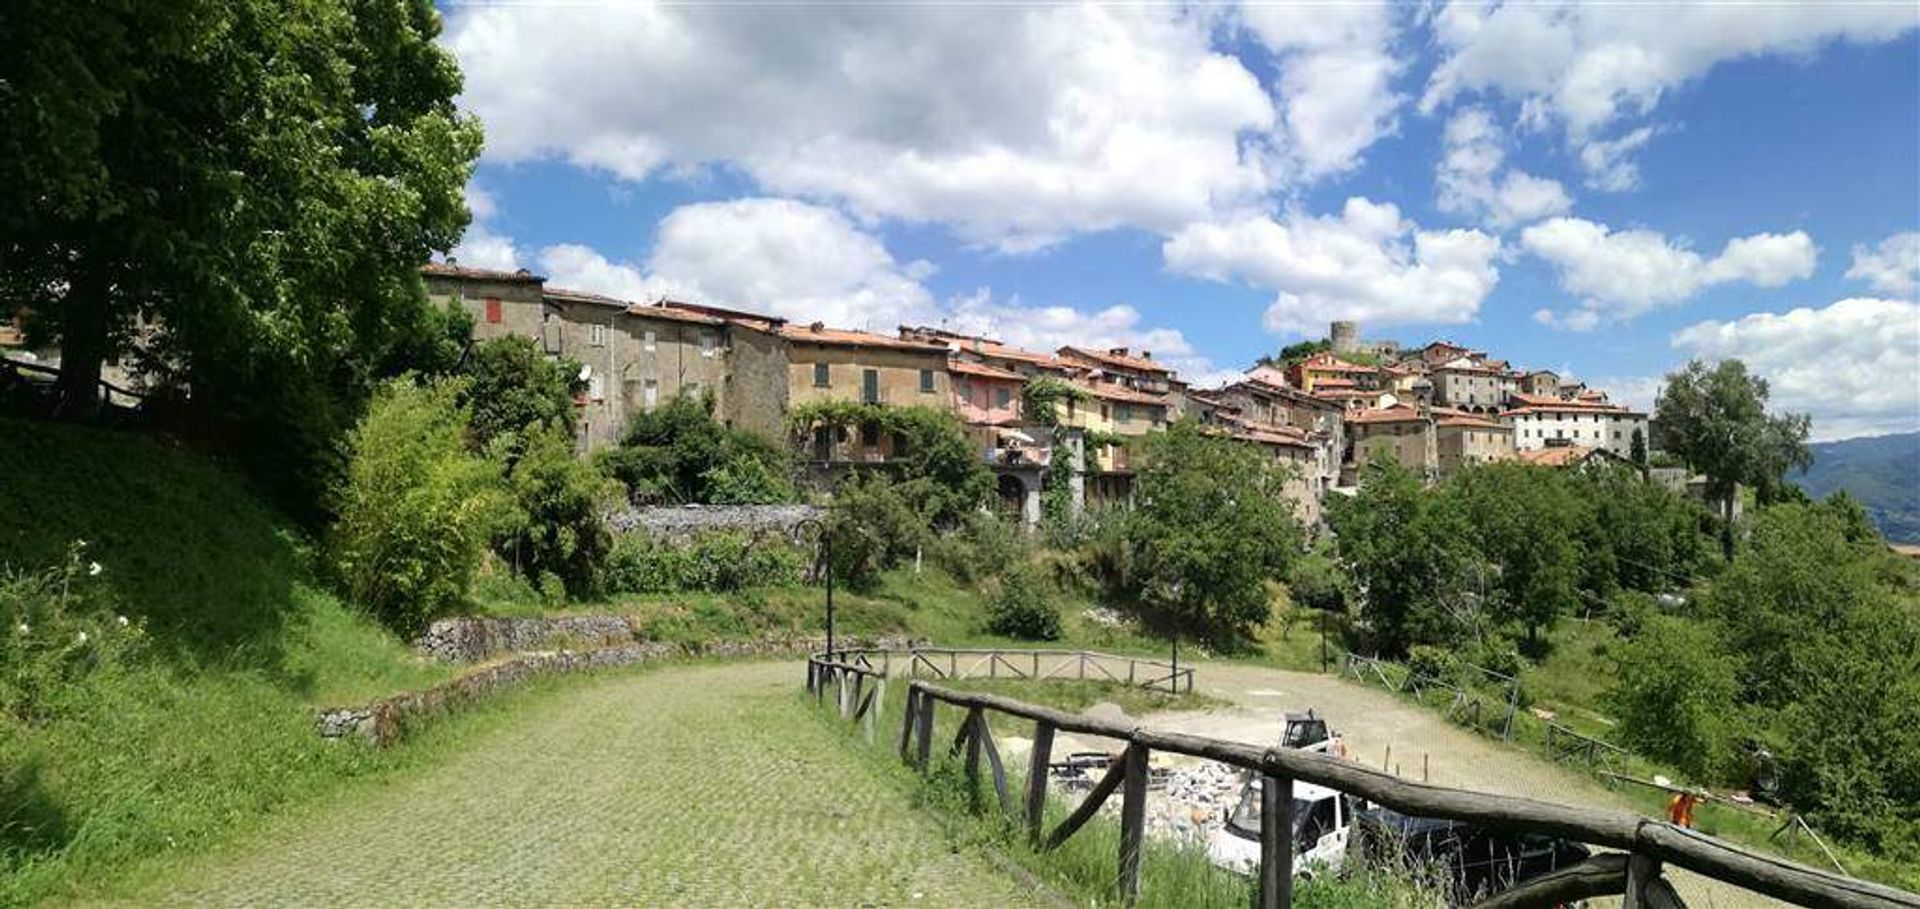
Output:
x,y
1186,799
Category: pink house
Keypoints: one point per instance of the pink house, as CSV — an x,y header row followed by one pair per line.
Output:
x,y
984,395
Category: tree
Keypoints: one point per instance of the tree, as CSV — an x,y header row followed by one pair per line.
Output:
x,y
1675,696
1295,352
1637,450
416,507
248,186
679,453
1523,520
1715,418
1420,579
558,530
511,385
1208,531
936,468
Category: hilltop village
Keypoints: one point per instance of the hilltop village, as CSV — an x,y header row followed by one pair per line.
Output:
x,y
1436,408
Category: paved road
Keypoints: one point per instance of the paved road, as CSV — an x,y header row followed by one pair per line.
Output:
x,y
701,785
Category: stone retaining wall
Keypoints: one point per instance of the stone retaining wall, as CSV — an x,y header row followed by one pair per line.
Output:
x,y
682,524
469,640
384,721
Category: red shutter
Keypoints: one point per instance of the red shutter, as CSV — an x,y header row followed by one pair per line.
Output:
x,y
493,310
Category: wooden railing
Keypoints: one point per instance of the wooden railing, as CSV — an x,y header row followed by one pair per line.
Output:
x,y
1467,706
1644,845
1008,663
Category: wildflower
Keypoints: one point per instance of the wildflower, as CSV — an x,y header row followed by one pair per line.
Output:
x,y
24,630
122,620
83,637
93,569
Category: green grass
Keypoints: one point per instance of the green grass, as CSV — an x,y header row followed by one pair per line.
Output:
x,y
211,727
1075,696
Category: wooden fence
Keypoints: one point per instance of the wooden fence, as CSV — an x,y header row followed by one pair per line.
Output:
x,y
1006,663
1643,846
1467,706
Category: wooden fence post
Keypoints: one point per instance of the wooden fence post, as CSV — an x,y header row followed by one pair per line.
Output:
x,y
1037,766
1276,842
970,727
927,705
1133,822
1642,872
906,722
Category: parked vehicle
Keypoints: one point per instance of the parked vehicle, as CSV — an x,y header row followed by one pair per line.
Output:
x,y
1467,863
1322,818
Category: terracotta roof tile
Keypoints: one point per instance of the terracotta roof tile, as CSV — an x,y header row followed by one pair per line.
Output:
x,y
841,337
444,270
970,368
1398,413
1125,361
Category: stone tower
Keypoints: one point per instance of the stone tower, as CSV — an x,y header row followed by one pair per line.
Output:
x,y
1345,337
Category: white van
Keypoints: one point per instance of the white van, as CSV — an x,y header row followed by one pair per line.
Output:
x,y
1322,818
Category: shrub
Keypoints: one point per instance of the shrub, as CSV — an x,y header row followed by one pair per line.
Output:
x,y
875,527
1675,695
678,452
1022,606
1433,662
719,562
511,386
55,634
984,545
559,527
415,507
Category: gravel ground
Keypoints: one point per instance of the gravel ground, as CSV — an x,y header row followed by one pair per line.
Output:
x,y
698,786
1422,741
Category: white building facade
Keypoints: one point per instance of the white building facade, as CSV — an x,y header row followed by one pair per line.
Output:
x,y
1543,423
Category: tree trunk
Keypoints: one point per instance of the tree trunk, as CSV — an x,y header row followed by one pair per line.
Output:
x,y
83,346
1726,523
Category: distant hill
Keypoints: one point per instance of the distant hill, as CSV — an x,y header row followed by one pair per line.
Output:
x,y
1883,472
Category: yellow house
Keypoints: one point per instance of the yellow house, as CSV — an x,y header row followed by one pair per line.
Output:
x,y
830,364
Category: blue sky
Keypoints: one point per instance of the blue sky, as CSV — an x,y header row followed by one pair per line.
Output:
x,y
1605,190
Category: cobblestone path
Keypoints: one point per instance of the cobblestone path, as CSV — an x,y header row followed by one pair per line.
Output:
x,y
696,786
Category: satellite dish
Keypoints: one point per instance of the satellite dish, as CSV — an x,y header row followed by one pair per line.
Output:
x,y
586,372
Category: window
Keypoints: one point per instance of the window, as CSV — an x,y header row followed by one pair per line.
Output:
x,y
1002,398
869,435
650,394
709,342
926,381
1103,412
870,386
597,335
1070,408
597,387
493,310
1126,413
819,375
647,341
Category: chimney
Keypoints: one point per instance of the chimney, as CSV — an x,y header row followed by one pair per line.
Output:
x,y
1146,355
1117,351
817,327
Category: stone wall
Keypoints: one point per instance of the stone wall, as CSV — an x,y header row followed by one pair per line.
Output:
x,y
386,720
467,640
686,522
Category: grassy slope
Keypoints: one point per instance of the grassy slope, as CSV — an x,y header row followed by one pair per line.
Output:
x,y
213,726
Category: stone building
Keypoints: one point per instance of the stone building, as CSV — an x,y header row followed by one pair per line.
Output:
x,y
1403,433
1540,422
1467,385
1463,440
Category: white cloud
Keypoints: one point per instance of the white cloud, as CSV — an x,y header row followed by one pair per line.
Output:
x,y
1591,66
791,259
1367,263
1471,182
1051,327
1018,127
480,247
1621,274
1853,365
808,263
1893,267
1336,79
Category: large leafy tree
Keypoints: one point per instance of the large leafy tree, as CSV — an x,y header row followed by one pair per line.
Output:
x,y
1208,531
1524,520
1715,418
512,385
1412,557
246,185
678,453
